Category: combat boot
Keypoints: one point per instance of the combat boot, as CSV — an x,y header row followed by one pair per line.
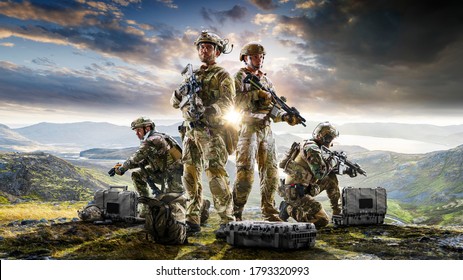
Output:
x,y
336,210
284,216
320,219
192,228
220,233
238,216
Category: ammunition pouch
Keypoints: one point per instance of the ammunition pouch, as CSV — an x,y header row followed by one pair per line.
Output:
x,y
296,191
197,124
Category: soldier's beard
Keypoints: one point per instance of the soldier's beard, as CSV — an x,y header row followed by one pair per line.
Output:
x,y
207,59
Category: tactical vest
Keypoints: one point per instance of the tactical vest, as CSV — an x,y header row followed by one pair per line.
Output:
x,y
208,96
295,166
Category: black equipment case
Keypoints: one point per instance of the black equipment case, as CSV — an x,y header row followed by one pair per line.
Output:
x,y
281,235
362,206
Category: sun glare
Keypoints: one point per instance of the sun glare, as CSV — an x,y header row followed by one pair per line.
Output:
x,y
233,116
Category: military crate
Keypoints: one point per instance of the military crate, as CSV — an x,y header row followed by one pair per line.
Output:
x,y
362,206
117,203
280,235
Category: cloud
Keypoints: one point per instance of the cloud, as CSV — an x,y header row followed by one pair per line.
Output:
x,y
234,14
44,61
91,91
65,13
264,4
265,19
7,44
382,32
169,3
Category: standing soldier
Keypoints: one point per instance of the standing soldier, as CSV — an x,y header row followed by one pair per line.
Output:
x,y
159,160
309,172
204,98
256,141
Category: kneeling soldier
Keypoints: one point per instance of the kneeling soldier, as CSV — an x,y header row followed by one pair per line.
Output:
x,y
159,159
309,172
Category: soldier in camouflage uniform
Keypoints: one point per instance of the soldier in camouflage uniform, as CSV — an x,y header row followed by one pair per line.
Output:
x,y
158,157
256,140
310,172
203,142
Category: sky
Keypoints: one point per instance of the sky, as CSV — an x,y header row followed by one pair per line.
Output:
x,y
343,61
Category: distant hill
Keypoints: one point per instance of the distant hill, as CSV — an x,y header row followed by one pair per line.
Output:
x,y
83,134
11,140
87,134
451,135
430,185
44,177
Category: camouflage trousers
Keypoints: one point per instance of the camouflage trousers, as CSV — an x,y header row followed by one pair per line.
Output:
x,y
172,181
330,184
256,144
201,150
307,209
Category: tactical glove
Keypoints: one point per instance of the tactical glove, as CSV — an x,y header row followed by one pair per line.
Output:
x,y
181,91
351,172
116,170
291,119
264,97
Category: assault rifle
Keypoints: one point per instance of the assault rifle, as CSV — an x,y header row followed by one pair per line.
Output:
x,y
192,87
280,103
344,163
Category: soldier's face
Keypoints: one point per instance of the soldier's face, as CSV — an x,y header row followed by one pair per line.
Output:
x,y
207,53
140,132
256,61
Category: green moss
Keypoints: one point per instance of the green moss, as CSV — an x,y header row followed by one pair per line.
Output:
x,y
4,200
395,210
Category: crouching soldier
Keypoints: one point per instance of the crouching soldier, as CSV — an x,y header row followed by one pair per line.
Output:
x,y
308,172
158,159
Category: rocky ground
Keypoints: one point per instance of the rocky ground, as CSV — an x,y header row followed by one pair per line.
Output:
x,y
72,239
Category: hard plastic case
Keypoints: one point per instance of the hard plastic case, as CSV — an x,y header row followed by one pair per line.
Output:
x,y
117,203
362,206
281,235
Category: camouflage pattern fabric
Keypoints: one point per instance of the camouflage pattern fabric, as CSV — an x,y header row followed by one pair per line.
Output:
x,y
162,168
255,142
90,213
307,210
309,168
204,147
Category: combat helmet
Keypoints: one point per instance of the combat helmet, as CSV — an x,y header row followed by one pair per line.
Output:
x,y
141,122
223,45
325,132
251,49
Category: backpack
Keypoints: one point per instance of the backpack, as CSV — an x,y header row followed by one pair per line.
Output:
x,y
165,218
290,155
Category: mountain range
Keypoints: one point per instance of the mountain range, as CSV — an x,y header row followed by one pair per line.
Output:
x,y
422,188
87,135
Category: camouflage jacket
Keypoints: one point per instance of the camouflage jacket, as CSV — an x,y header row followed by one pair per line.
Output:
x,y
217,92
159,151
306,167
247,100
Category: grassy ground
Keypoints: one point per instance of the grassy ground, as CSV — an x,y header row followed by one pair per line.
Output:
x,y
62,238
39,210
